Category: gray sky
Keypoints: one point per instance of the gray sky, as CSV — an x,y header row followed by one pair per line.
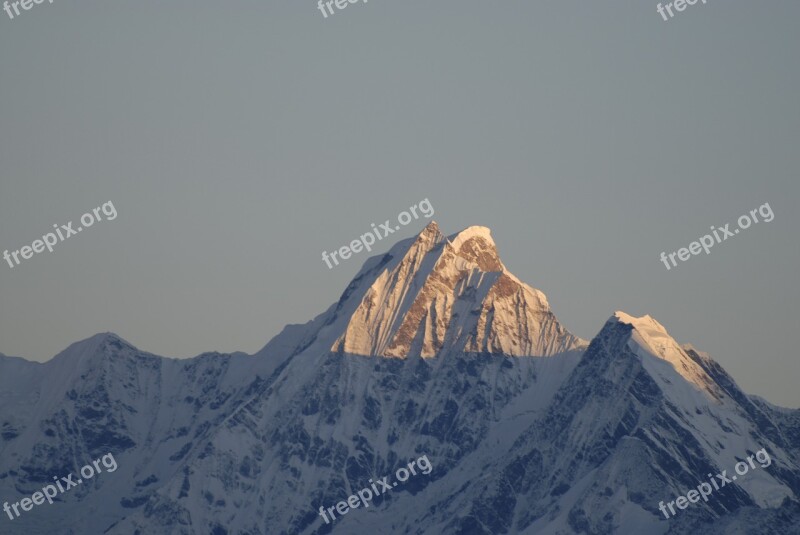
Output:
x,y
239,140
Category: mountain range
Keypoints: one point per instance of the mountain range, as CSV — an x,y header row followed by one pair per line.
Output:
x,y
434,349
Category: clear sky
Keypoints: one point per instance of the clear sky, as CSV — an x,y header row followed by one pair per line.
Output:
x,y
238,140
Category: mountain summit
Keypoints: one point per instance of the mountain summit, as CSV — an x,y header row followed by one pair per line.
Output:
x,y
436,291
433,349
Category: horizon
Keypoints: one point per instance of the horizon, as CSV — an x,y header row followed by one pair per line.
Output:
x,y
586,158
619,315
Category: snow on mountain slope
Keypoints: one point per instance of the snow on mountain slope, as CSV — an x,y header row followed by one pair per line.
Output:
x,y
625,431
452,292
102,395
650,338
435,349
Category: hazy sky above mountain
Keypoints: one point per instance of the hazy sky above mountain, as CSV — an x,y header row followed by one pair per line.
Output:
x,y
239,140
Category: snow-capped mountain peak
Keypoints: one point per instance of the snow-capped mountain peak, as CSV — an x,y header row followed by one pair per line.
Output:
x,y
588,440
450,293
649,339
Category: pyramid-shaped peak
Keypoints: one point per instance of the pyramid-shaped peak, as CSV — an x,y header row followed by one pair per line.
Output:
x,y
649,337
451,294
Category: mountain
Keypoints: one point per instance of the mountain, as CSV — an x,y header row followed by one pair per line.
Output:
x,y
436,351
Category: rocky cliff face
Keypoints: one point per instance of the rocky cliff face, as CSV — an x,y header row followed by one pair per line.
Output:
x,y
451,293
